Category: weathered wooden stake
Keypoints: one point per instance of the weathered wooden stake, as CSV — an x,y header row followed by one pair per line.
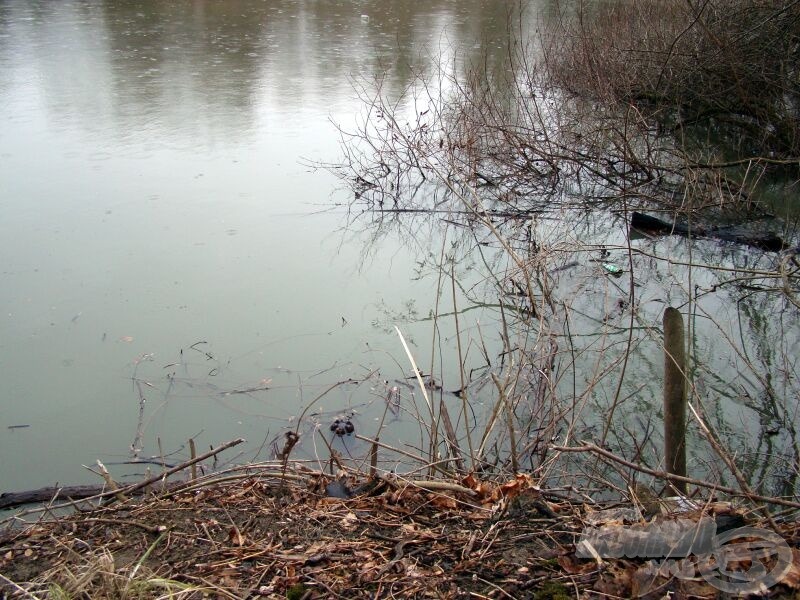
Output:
x,y
193,452
373,460
674,396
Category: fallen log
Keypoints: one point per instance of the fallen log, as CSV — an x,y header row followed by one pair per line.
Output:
x,y
13,499
67,492
653,225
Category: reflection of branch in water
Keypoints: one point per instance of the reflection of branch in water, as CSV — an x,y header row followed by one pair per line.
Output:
x,y
149,357
261,388
141,461
268,395
208,355
393,400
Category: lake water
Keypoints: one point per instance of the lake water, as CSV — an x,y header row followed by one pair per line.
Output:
x,y
155,194
174,268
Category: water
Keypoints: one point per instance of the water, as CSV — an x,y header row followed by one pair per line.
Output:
x,y
174,268
156,194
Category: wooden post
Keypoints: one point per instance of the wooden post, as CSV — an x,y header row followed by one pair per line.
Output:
x,y
193,455
674,396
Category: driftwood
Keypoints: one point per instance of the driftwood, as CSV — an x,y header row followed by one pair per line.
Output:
x,y
67,492
765,241
79,492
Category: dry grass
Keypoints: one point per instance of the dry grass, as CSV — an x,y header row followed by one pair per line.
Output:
x,y
534,172
258,538
727,64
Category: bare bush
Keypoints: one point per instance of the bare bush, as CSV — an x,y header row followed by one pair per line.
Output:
x,y
536,169
725,63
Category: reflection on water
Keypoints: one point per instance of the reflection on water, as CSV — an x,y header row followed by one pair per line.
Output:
x,y
171,269
154,196
200,73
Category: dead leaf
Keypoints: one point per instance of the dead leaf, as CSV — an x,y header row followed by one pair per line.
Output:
x,y
236,537
470,482
445,502
792,577
486,492
320,547
573,567
516,486
408,529
617,580
349,522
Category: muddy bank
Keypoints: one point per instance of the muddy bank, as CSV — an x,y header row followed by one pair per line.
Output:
x,y
258,535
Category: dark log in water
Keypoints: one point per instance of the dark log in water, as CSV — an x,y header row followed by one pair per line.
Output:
x,y
653,225
79,492
67,492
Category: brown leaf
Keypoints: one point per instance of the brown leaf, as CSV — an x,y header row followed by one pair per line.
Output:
x,y
236,537
320,547
409,529
516,486
487,493
349,522
792,577
478,515
446,502
617,580
677,577
573,567
470,482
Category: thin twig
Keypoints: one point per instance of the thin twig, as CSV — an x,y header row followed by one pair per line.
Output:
x,y
670,477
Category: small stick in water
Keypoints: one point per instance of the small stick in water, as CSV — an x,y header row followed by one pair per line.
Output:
x,y
193,455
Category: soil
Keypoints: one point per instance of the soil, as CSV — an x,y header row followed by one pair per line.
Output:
x,y
261,538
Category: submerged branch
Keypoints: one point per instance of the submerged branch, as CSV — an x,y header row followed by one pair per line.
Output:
x,y
592,448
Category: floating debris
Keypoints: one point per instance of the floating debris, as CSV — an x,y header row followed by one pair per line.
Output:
x,y
342,427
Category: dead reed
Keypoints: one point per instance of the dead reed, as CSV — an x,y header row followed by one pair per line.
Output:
x,y
533,171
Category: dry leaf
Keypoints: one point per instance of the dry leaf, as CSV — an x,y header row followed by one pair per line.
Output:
x,y
320,546
440,501
573,567
617,580
408,529
236,537
349,522
516,486
792,577
470,482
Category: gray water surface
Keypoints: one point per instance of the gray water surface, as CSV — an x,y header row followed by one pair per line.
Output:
x,y
163,237
173,267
